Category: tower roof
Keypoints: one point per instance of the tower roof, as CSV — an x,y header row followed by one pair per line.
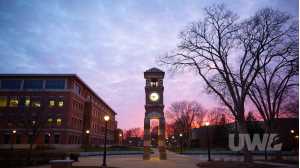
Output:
x,y
154,73
154,69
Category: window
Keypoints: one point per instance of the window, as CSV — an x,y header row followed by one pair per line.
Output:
x,y
55,84
56,139
61,103
70,139
29,139
46,139
33,84
77,89
36,102
154,83
50,120
6,139
51,103
11,84
18,139
58,121
27,101
13,102
3,101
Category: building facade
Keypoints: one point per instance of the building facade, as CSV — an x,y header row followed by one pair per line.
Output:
x,y
59,108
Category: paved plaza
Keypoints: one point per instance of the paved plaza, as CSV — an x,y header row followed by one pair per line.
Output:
x,y
174,161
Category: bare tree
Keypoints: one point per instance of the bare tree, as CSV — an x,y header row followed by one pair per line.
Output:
x,y
34,121
218,116
184,115
227,55
277,77
133,132
290,106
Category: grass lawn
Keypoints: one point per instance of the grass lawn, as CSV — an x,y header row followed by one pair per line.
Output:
x,y
231,164
294,162
113,148
202,150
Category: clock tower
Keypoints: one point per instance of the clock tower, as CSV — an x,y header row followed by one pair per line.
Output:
x,y
154,108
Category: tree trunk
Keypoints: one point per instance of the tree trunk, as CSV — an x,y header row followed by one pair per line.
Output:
x,y
246,152
266,147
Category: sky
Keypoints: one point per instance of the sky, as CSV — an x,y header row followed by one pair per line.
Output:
x,y
109,44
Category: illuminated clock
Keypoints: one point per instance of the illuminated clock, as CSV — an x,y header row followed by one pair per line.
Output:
x,y
154,96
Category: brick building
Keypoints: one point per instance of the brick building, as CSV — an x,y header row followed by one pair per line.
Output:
x,y
61,106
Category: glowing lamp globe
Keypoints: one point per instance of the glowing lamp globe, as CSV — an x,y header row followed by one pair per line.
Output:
x,y
106,118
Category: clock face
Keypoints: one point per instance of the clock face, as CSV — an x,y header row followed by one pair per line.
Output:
x,y
154,96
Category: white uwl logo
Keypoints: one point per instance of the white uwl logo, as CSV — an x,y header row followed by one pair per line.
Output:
x,y
256,142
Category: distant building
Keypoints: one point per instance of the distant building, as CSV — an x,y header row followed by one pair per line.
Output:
x,y
71,111
287,128
119,137
134,141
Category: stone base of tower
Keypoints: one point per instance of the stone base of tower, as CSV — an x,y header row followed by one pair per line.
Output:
x,y
147,152
162,153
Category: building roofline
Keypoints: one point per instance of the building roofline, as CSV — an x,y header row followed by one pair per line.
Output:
x,y
60,75
37,75
76,76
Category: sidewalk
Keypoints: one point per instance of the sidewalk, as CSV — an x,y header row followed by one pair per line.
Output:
x,y
173,161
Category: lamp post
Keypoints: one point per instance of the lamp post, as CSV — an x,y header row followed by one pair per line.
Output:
x,y
87,132
106,119
180,136
208,143
173,142
12,139
121,138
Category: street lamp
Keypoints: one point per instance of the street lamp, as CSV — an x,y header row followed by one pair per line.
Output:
x,y
106,119
180,136
292,131
208,143
121,138
87,132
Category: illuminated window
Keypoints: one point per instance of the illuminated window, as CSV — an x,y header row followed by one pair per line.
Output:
x,y
3,101
58,121
13,102
154,83
61,103
50,120
27,101
51,103
36,103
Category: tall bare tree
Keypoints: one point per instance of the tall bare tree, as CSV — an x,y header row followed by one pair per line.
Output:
x,y
133,132
34,121
227,55
277,77
291,104
219,116
184,115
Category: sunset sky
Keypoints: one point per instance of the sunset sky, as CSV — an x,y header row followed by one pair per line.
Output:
x,y
109,44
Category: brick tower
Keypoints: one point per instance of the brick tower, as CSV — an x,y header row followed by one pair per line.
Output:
x,y
154,110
